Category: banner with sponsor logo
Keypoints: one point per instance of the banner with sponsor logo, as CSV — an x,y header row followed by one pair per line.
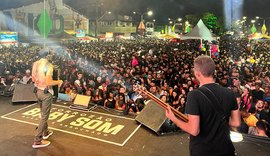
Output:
x,y
95,125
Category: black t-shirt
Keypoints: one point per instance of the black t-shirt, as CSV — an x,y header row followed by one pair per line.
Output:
x,y
214,138
110,103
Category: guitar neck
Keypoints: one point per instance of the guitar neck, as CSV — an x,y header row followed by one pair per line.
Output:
x,y
164,105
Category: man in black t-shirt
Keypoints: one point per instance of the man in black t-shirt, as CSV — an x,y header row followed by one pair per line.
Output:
x,y
208,121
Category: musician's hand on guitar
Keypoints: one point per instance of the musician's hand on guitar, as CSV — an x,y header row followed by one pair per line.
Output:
x,y
169,113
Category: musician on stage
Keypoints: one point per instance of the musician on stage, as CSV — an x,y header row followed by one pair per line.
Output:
x,y
211,110
42,75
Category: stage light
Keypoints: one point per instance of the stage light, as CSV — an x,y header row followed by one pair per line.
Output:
x,y
232,11
236,137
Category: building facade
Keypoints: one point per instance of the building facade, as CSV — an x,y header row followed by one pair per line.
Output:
x,y
24,20
110,23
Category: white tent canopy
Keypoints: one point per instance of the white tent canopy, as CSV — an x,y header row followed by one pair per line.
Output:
x,y
200,31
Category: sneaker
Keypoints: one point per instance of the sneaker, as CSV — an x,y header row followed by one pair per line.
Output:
x,y
46,136
42,143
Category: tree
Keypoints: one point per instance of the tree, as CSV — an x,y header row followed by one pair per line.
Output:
x,y
210,20
213,23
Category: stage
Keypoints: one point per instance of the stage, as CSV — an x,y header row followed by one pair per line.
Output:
x,y
98,133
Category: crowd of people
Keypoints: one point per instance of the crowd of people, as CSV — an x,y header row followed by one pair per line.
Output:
x,y
110,73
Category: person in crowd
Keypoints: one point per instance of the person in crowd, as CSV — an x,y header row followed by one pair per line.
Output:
x,y
249,118
175,99
27,78
3,84
182,105
154,90
236,86
66,87
261,111
209,135
257,93
261,128
134,61
98,97
110,101
80,83
266,95
246,98
121,102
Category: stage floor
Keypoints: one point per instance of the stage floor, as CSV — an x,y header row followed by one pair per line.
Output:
x,y
97,133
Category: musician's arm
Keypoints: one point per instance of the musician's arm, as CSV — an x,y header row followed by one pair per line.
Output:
x,y
34,69
192,126
49,78
235,120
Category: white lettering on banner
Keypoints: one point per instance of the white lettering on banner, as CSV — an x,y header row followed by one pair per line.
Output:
x,y
60,110
55,115
68,111
80,121
94,123
106,128
84,120
32,112
108,119
99,118
75,113
98,125
83,114
64,117
91,116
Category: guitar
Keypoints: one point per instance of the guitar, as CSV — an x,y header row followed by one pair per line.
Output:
x,y
161,103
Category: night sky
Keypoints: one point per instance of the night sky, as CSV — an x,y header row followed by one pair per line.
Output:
x,y
163,9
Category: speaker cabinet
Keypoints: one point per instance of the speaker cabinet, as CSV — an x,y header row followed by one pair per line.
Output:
x,y
24,93
152,116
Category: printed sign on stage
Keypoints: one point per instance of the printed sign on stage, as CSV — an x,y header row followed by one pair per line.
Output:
x,y
94,125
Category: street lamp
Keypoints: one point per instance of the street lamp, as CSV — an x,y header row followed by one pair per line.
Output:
x,y
174,20
149,13
98,19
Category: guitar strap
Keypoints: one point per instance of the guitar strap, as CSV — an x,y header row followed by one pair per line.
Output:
x,y
214,102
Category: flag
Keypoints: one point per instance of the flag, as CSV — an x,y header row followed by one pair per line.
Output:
x,y
253,29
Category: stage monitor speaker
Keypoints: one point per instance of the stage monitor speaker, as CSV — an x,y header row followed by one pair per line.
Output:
x,y
81,103
82,100
152,116
24,93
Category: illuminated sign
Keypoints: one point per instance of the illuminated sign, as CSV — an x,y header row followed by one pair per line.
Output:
x,y
7,37
103,127
80,33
